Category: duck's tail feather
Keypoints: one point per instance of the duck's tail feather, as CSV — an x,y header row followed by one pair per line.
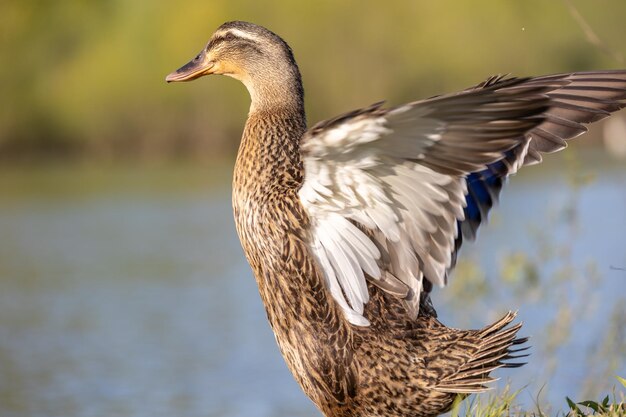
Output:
x,y
494,350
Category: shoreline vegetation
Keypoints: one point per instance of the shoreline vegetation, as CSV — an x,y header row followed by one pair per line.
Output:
x,y
86,80
503,403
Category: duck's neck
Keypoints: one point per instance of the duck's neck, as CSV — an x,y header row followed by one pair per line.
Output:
x,y
270,96
269,165
275,86
269,152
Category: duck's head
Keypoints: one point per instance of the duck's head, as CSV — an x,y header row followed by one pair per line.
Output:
x,y
251,54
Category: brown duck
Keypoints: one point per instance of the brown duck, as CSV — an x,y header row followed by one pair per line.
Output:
x,y
348,225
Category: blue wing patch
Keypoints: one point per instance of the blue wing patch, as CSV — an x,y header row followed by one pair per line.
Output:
x,y
483,190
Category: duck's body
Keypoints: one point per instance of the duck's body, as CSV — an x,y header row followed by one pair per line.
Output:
x,y
344,369
348,302
393,367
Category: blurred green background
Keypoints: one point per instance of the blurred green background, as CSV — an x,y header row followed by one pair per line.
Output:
x,y
123,288
85,78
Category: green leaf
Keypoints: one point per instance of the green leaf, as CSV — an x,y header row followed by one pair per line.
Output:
x,y
605,403
591,404
621,380
572,405
456,406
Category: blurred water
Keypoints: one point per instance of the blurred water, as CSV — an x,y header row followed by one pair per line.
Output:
x,y
141,304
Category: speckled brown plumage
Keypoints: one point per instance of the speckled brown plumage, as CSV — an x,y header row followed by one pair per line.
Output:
x,y
395,367
399,364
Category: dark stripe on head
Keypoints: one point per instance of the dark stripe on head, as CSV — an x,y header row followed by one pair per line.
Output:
x,y
237,42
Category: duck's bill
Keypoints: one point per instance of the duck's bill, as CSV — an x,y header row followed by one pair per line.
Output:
x,y
195,68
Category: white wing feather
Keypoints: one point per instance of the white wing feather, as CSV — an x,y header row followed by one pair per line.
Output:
x,y
385,190
350,180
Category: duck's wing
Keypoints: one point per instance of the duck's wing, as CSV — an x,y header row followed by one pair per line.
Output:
x,y
392,192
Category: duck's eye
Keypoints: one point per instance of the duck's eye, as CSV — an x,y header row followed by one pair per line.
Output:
x,y
229,36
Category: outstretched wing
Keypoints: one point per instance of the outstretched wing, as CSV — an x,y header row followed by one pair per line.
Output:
x,y
392,192
588,97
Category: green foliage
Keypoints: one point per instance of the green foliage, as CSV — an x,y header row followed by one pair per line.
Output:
x,y
504,404
609,407
87,77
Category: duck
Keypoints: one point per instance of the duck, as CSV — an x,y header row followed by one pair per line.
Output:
x,y
350,224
